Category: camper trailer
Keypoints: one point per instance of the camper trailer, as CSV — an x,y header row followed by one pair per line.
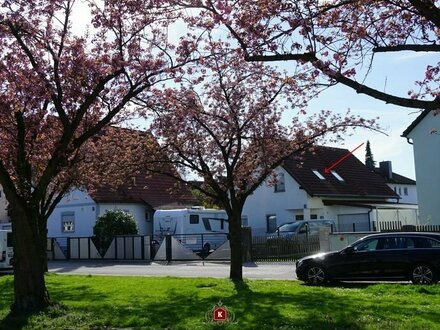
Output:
x,y
197,228
6,251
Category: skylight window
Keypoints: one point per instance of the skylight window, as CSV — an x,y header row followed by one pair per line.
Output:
x,y
337,176
319,175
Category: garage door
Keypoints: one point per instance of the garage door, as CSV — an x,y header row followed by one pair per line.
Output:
x,y
353,222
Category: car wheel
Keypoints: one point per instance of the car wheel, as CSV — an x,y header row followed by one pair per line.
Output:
x,y
423,274
316,275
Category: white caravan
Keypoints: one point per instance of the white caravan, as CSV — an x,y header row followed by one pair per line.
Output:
x,y
202,229
6,251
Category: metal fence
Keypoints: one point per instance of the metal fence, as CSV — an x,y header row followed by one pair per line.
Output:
x,y
84,248
283,248
191,247
213,247
168,248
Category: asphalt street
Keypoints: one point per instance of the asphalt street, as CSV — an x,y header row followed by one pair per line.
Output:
x,y
270,271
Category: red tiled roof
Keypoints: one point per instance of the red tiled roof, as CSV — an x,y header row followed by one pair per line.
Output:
x,y
359,181
155,190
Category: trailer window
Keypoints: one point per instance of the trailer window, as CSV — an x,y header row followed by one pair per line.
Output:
x,y
194,219
207,224
9,240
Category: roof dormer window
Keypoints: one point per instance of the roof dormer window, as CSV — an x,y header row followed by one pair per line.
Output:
x,y
319,175
337,176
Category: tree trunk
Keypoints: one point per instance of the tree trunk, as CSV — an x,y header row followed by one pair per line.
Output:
x,y
42,230
30,261
236,271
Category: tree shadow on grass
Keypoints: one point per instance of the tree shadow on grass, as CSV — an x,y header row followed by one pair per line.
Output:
x,y
262,306
56,312
252,310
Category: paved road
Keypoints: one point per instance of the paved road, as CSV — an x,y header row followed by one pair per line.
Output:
x,y
272,271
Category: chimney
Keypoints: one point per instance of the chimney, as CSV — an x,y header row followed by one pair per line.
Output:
x,y
386,169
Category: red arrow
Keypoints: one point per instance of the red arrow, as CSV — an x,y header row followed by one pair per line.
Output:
x,y
327,169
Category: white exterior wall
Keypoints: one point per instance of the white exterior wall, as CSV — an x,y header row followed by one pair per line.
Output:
x,y
293,201
427,164
138,211
85,212
411,198
264,202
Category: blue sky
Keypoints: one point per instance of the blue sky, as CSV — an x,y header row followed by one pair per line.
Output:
x,y
393,73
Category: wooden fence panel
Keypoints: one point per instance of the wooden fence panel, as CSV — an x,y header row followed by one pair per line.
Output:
x,y
283,248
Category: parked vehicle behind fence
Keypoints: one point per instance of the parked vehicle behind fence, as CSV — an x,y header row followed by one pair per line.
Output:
x,y
386,256
303,228
194,227
6,250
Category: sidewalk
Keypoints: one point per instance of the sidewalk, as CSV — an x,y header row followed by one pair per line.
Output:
x,y
270,271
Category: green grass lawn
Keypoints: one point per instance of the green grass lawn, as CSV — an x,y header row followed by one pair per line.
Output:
x,y
95,302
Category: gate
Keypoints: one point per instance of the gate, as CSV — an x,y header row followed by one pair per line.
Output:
x,y
186,247
83,248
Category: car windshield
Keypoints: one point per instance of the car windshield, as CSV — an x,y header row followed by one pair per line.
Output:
x,y
289,227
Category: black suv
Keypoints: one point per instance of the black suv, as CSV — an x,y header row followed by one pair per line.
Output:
x,y
386,256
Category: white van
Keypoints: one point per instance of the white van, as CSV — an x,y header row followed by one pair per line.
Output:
x,y
202,229
6,251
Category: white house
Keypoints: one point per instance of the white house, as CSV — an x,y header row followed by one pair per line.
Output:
x,y
405,187
355,197
75,215
424,135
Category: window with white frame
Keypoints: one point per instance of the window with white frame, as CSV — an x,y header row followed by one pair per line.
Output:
x,y
337,176
280,185
319,175
405,191
67,222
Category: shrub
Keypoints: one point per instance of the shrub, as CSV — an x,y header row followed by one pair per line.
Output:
x,y
116,222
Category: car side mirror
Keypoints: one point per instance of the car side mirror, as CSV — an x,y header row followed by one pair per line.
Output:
x,y
349,249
